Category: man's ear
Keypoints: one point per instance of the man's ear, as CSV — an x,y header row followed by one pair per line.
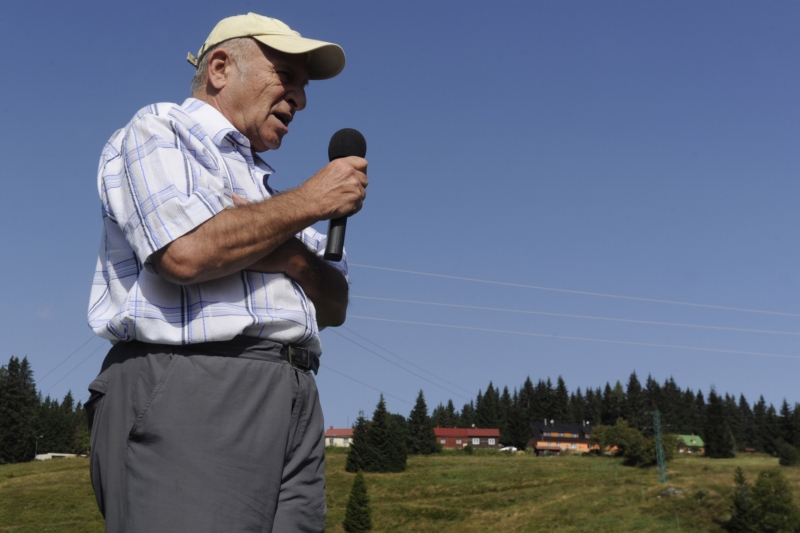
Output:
x,y
220,67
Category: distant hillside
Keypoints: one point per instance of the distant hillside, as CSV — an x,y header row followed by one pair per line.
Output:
x,y
449,492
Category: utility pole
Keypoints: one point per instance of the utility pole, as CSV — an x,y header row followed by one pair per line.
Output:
x,y
662,464
36,446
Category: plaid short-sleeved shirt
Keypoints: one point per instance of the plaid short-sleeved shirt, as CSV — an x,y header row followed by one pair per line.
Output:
x,y
169,170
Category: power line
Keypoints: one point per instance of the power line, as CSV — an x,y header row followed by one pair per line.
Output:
x,y
585,339
584,293
588,317
67,357
405,360
362,383
74,368
398,366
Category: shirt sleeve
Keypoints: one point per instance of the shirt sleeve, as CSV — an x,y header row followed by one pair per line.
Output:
x,y
316,242
165,182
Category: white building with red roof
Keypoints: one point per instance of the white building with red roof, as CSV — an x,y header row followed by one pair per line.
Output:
x,y
340,438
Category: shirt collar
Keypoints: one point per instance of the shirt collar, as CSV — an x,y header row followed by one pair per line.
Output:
x,y
218,128
214,122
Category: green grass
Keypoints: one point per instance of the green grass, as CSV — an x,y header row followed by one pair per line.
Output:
x,y
447,492
44,496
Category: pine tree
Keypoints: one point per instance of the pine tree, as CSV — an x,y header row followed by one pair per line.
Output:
x,y
759,425
795,426
734,420
505,412
467,417
560,403
438,416
688,409
577,407
360,456
634,411
594,406
421,438
19,404
719,443
398,431
742,512
747,425
518,424
526,399
771,431
487,408
773,504
386,441
379,438
613,402
547,394
785,422
699,414
451,415
358,517
672,413
652,395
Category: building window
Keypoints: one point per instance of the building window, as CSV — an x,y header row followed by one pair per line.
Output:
x,y
346,440
476,441
491,442
330,441
560,434
444,441
574,446
458,441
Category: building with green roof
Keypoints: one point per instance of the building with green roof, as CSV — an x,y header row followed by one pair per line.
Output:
x,y
691,444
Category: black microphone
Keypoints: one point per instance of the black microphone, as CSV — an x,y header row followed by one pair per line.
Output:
x,y
344,143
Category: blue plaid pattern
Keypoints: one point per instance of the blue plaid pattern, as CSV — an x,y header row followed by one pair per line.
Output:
x,y
169,170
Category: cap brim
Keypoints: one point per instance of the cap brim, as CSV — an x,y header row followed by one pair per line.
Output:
x,y
325,60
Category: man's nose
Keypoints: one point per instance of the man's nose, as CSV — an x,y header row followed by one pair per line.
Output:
x,y
297,99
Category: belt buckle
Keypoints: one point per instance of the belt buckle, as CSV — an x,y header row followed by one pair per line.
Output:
x,y
297,356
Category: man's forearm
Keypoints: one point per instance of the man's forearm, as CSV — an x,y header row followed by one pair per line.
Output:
x,y
234,239
323,284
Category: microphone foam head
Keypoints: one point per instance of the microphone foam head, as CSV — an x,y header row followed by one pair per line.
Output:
x,y
347,142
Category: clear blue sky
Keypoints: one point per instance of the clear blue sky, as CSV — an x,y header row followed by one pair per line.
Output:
x,y
640,149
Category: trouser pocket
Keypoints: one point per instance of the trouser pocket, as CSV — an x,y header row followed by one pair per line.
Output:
x,y
94,407
153,375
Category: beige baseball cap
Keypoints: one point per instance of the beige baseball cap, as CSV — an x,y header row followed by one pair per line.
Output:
x,y
325,60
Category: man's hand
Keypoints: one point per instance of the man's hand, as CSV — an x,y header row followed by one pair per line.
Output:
x,y
339,189
322,283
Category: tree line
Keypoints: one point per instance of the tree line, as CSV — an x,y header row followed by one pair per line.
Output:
x,y
30,424
726,423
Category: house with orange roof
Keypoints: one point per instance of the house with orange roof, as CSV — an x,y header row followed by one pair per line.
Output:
x,y
554,439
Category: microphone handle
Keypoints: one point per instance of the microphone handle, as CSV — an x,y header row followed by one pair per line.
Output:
x,y
335,246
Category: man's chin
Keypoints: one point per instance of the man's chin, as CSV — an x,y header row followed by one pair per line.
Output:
x,y
273,143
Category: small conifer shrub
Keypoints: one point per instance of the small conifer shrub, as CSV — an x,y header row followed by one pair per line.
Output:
x,y
358,516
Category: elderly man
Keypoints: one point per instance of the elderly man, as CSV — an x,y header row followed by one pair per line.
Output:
x,y
205,415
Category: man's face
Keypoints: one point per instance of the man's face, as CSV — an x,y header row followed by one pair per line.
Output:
x,y
262,103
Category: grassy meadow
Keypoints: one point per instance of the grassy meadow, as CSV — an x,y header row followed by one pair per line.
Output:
x,y
447,492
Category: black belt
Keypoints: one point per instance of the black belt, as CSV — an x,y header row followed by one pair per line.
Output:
x,y
300,357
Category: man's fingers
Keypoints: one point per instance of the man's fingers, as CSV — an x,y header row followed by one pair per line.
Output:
x,y
238,201
358,163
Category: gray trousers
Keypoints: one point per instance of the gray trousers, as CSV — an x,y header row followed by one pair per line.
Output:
x,y
206,438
